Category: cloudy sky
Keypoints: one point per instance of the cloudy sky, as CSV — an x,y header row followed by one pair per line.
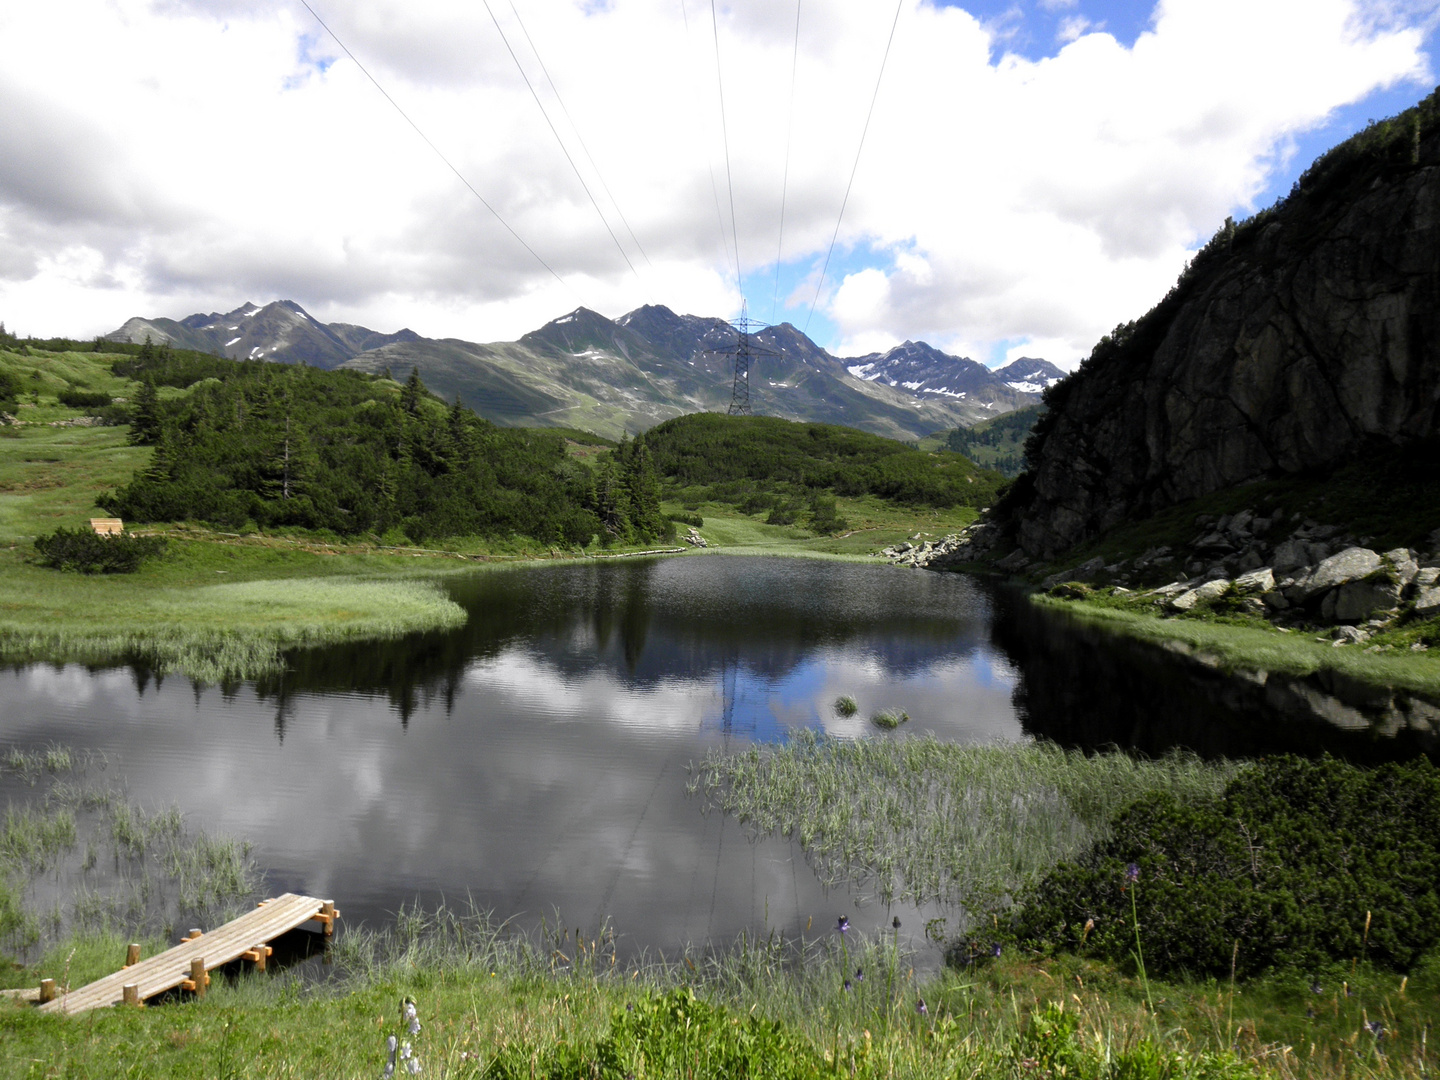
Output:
x,y
1033,171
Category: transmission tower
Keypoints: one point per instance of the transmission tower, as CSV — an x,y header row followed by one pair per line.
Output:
x,y
744,350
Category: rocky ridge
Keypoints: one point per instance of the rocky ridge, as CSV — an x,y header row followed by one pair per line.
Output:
x,y
1292,342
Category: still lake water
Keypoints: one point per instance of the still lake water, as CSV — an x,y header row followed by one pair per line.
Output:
x,y
535,760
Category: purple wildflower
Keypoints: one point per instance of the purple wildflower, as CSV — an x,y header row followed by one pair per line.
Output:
x,y
1375,1027
847,986
920,1007
1132,873
995,950
895,922
859,974
843,924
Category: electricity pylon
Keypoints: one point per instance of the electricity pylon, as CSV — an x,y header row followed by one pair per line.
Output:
x,y
744,350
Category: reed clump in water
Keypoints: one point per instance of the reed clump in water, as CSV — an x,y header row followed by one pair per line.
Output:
x,y
918,820
890,719
157,874
846,705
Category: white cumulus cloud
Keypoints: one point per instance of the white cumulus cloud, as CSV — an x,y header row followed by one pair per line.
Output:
x,y
198,153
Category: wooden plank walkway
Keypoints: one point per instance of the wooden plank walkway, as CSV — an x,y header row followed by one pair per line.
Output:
x,y
186,965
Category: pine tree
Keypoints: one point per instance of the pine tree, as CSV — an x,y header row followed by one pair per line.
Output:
x,y
145,424
412,392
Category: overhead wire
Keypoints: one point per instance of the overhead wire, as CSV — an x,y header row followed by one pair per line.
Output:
x,y
725,136
437,151
709,165
580,138
563,149
785,180
863,131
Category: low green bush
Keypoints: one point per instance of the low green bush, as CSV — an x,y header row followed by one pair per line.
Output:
x,y
84,399
90,553
1300,865
687,518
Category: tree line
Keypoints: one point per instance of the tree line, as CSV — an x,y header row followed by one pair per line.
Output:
x,y
278,445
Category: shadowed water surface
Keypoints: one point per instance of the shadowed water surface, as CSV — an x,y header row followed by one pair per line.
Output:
x,y
535,760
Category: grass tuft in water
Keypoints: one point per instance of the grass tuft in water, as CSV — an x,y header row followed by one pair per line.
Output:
x,y
890,719
846,705
915,819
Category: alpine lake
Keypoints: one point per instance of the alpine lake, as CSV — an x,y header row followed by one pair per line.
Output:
x,y
534,763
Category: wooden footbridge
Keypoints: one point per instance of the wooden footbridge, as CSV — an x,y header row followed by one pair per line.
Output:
x,y
187,965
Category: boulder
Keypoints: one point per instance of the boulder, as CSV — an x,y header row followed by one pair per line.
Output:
x,y
1211,589
1427,602
1257,581
1349,565
1358,600
1403,560
1289,555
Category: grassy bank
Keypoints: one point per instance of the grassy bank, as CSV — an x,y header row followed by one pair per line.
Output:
x,y
1235,648
490,1004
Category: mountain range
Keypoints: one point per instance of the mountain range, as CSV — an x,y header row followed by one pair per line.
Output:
x,y
586,371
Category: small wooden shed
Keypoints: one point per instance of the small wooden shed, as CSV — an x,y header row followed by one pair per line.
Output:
x,y
107,526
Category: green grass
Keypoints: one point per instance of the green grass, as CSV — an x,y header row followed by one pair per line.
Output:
x,y
1253,648
924,821
495,1004
874,524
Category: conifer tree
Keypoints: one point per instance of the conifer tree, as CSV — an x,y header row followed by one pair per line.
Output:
x,y
145,424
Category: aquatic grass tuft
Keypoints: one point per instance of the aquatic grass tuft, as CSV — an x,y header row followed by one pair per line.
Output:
x,y
915,819
890,719
846,705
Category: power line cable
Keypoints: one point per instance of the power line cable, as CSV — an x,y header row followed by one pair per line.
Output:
x,y
545,113
888,42
438,153
725,136
785,182
580,138
709,165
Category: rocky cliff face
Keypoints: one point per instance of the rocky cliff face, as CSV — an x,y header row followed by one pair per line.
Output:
x,y
1292,340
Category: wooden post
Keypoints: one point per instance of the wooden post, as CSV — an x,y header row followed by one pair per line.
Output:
x,y
327,916
132,994
195,932
132,954
47,990
198,976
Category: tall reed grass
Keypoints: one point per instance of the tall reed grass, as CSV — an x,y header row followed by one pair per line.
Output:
x,y
915,819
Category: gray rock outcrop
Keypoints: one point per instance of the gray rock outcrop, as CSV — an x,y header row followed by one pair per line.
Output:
x,y
1292,341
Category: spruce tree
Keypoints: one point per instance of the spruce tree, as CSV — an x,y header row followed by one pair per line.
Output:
x,y
145,424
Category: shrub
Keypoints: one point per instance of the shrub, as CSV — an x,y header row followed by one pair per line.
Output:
x,y
90,553
84,399
1298,865
687,519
